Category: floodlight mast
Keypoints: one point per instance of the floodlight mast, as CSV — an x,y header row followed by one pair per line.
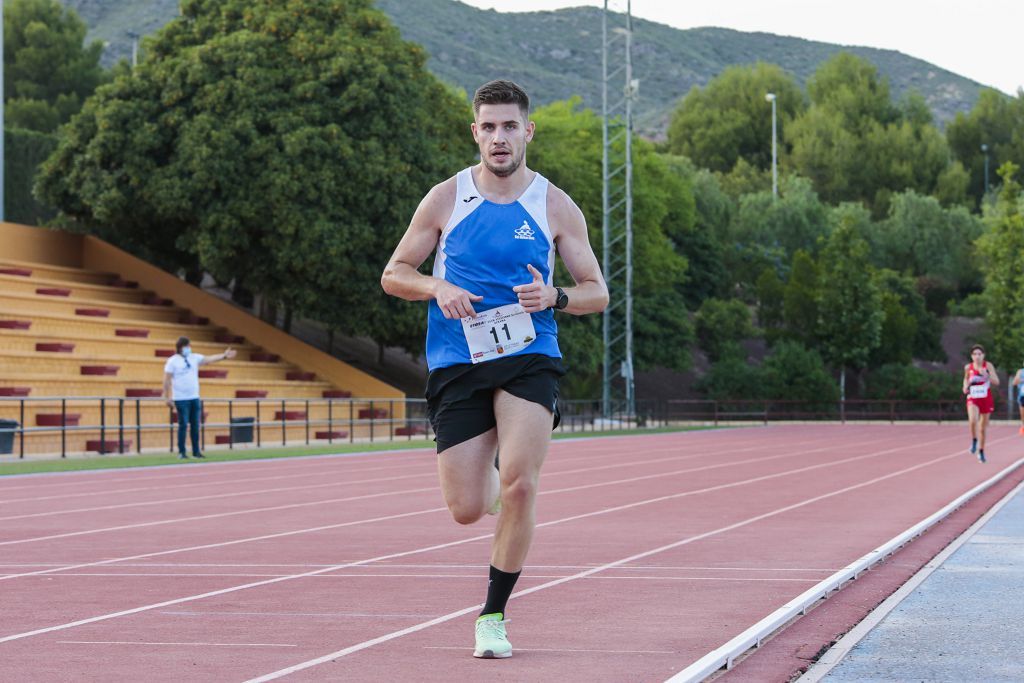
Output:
x,y
618,393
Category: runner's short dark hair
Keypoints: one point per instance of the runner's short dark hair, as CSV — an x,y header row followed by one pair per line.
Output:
x,y
978,347
181,343
502,92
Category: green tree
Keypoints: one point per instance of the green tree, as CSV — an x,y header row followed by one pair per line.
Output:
x,y
770,304
923,238
721,326
996,121
1002,252
276,144
795,373
915,329
855,145
48,69
795,220
567,150
729,119
800,299
849,303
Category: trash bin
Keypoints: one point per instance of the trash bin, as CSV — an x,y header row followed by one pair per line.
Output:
x,y
241,429
8,428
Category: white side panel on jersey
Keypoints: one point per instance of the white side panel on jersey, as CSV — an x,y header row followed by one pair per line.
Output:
x,y
535,201
467,200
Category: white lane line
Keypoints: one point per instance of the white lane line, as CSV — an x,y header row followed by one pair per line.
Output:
x,y
330,615
551,584
789,454
139,642
441,546
561,649
439,565
431,472
472,577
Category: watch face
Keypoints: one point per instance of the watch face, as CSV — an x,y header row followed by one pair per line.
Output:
x,y
562,301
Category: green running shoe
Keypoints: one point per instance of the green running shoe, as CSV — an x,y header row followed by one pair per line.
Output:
x,y
496,508
491,639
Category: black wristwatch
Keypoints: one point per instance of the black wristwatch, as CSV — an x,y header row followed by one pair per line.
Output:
x,y
561,299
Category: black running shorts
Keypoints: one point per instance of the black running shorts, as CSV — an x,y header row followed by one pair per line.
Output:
x,y
460,398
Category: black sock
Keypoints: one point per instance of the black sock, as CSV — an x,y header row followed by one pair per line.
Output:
x,y
499,588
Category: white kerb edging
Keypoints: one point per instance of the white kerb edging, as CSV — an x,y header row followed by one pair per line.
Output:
x,y
725,655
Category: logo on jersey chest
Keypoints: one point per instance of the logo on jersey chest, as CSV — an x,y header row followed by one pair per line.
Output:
x,y
524,232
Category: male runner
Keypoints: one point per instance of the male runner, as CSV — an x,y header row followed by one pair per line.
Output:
x,y
492,340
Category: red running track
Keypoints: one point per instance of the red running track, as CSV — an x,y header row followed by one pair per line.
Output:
x,y
650,551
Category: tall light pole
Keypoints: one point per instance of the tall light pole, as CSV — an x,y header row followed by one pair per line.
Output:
x,y
984,150
775,154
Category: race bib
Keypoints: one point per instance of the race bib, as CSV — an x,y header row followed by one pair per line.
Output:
x,y
498,332
979,390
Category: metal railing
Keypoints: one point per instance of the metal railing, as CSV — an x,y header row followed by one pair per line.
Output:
x,y
121,423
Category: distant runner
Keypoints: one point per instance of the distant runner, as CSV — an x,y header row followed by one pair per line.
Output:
x,y
979,378
1018,381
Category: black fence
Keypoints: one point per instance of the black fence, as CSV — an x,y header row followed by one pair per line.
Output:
x,y
122,423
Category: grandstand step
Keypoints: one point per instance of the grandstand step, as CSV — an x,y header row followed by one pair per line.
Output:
x,y
55,347
53,291
56,419
69,324
55,305
45,270
123,284
143,393
289,415
163,353
336,393
335,434
15,391
138,333
213,374
155,300
93,312
108,445
250,393
263,357
228,338
111,347
300,376
222,439
15,324
95,370
193,319
29,286
412,430
376,413
19,272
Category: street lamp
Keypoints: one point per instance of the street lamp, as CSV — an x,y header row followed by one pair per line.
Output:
x,y
984,150
770,97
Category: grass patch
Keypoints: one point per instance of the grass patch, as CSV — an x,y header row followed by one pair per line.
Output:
x,y
110,462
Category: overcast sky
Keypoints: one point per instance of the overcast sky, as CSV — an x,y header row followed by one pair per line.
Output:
x,y
982,40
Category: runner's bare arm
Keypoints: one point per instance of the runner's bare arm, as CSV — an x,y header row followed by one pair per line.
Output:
x,y
993,376
402,278
967,375
590,295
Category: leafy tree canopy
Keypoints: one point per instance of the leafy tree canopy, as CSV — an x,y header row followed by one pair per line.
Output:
x,y
48,69
283,145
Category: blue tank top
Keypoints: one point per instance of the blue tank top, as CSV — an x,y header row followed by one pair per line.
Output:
x,y
484,248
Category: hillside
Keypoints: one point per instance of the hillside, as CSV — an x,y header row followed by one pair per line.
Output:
x,y
557,54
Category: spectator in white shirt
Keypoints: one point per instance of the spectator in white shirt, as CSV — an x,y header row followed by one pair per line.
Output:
x,y
181,390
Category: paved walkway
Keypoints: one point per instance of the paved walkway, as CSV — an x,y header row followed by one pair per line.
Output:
x,y
964,622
